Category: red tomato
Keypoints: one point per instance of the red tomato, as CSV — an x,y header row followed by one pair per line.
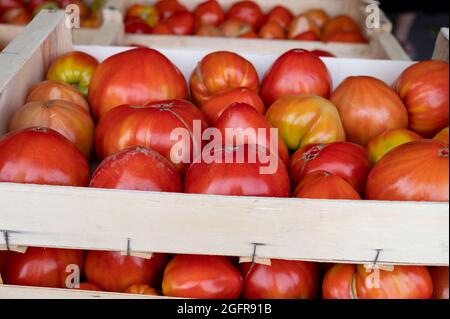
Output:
x,y
204,277
8,4
283,279
272,30
141,289
144,13
318,16
341,23
17,16
135,77
210,13
151,126
337,283
137,26
280,15
307,36
415,171
220,71
347,160
207,30
167,8
41,156
323,53
345,36
163,29
442,136
34,6
296,71
423,88
245,177
300,25
247,11
137,168
234,28
214,107
368,107
88,286
43,267
114,272
323,185
181,23
440,282
4,258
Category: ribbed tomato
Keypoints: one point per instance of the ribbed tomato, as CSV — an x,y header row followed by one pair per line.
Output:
x,y
181,23
301,24
209,13
234,28
318,16
307,36
296,71
141,289
272,30
220,71
41,156
167,8
114,272
283,279
280,15
439,275
340,23
442,136
204,277
368,107
415,171
247,11
305,119
423,88
347,160
162,28
137,76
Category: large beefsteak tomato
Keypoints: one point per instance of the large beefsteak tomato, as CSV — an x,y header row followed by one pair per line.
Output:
x,y
209,13
247,11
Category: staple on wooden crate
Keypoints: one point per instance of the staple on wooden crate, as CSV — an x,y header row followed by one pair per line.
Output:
x,y
7,245
140,254
255,259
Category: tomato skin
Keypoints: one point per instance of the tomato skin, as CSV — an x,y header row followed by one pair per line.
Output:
x,y
9,4
338,281
206,30
300,25
137,168
272,30
15,16
283,279
42,267
41,156
280,15
146,14
219,71
247,11
296,71
442,136
163,29
368,107
341,23
323,53
415,171
114,272
440,282
424,88
307,36
210,13
166,8
88,286
204,277
137,26
347,160
318,16
141,289
136,77
181,23
234,28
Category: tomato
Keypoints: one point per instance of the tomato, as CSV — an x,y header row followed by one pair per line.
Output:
x,y
43,267
415,171
207,30
368,107
141,289
17,16
252,172
52,90
74,68
337,283
300,25
423,88
204,277
283,279
296,71
318,16
137,168
305,119
280,15
163,29
247,11
35,6
442,136
41,156
341,23
167,8
136,77
137,26
323,53
347,160
4,258
214,107
323,185
181,23
387,141
234,28
307,36
209,13
439,275
151,126
220,71
241,116
345,36
272,30
144,13
9,4
88,286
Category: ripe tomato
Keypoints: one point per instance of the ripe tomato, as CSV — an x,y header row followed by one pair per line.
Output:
x,y
43,267
52,90
16,16
272,30
204,277
423,88
323,185
144,13
296,71
305,119
439,275
345,36
387,141
214,107
247,11
41,156
442,136
347,160
245,176
338,24
280,15
283,279
323,53
318,16
114,272
88,286
137,168
137,26
307,36
181,23
234,28
141,289
135,77
220,71
300,25
67,118
209,12
151,126
207,30
163,29
415,171
167,8
73,68
368,107
9,4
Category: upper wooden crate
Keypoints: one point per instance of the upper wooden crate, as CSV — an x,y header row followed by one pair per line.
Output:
x,y
316,230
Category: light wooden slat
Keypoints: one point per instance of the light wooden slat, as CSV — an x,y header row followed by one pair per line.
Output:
x,y
384,45
441,46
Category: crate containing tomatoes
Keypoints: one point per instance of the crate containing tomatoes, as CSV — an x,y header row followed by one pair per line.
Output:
x,y
106,150
348,28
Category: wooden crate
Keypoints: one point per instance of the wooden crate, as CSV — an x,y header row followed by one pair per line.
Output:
x,y
441,47
300,229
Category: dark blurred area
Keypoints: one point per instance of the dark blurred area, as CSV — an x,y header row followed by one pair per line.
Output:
x,y
417,24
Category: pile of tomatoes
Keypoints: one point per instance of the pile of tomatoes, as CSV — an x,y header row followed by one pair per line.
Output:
x,y
244,19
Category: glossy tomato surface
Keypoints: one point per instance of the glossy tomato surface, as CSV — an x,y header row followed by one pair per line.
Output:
x,y
300,25
318,16
280,15
442,136
181,23
167,8
272,30
209,13
141,289
247,11
440,282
